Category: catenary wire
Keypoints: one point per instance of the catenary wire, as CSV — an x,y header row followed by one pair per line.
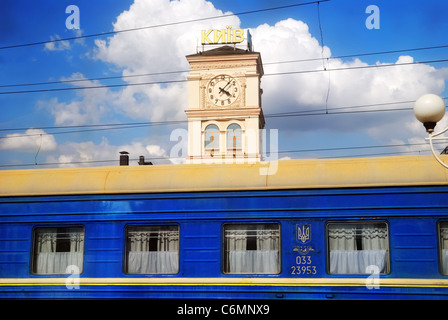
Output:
x,y
185,71
94,161
278,152
185,80
161,25
115,126
323,59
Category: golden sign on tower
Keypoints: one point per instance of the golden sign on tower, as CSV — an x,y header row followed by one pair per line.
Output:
x,y
224,36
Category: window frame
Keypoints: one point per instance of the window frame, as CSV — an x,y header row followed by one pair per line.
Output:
x,y
217,141
126,248
33,258
224,257
357,222
237,137
440,247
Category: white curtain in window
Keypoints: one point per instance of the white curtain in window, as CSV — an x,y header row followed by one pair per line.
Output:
x,y
265,259
49,261
154,252
444,247
355,247
444,259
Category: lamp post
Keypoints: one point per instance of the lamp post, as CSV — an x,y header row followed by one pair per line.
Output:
x,y
430,109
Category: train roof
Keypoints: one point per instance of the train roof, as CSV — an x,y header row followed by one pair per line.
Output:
x,y
283,174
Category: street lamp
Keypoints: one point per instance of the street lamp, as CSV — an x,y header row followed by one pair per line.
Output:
x,y
430,109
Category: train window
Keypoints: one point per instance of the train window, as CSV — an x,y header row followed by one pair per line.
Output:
x,y
252,248
358,248
443,234
152,249
57,249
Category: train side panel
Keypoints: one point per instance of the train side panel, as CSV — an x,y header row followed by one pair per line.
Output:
x,y
412,216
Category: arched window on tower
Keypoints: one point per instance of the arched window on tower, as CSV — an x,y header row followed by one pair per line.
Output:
x,y
233,138
212,137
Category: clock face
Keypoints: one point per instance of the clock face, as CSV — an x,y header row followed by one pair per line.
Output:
x,y
223,90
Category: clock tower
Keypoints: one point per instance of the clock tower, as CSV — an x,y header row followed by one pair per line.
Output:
x,y
224,112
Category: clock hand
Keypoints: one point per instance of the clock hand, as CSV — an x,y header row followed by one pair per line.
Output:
x,y
225,91
227,84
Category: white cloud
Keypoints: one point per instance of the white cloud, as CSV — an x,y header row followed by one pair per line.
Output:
x,y
157,50
290,40
164,49
90,106
33,140
75,154
161,48
78,33
155,150
145,51
153,102
57,45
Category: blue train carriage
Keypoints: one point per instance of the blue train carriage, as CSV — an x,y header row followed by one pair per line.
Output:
x,y
374,228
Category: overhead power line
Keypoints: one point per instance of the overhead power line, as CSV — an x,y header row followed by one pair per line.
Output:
x,y
96,87
185,80
358,67
185,71
355,55
397,145
279,152
92,79
374,154
133,125
161,25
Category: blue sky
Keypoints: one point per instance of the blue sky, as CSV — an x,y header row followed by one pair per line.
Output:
x,y
403,25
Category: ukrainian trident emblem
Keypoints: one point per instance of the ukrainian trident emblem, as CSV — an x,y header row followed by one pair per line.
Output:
x,y
304,233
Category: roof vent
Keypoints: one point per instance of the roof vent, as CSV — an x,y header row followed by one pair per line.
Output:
x,y
141,162
124,158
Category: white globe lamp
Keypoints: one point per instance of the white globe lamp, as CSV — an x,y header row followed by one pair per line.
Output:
x,y
429,109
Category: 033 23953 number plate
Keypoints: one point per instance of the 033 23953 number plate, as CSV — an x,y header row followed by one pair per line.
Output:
x,y
303,261
303,266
